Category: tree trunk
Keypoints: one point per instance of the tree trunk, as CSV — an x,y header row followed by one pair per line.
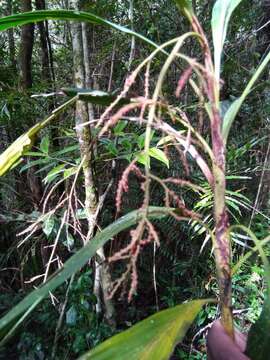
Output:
x,y
84,113
132,45
83,132
86,37
45,62
26,50
11,42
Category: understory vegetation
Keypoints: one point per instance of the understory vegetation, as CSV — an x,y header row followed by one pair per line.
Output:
x,y
134,177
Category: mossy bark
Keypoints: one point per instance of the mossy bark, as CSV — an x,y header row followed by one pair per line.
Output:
x,y
84,113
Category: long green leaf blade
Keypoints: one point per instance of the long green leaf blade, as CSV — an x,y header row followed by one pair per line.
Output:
x,y
152,338
72,265
36,16
221,14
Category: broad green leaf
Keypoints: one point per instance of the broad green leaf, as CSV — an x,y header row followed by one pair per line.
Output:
x,y
152,338
48,225
112,148
119,127
44,144
69,242
81,214
221,14
143,159
141,139
71,316
235,106
166,140
54,173
8,22
159,155
169,138
69,172
72,265
40,161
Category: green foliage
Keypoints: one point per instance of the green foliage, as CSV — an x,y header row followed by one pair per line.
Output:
x,y
129,145
236,105
260,330
23,144
71,266
54,164
82,327
153,338
259,334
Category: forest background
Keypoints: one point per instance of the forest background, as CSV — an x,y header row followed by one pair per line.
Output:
x,y
44,217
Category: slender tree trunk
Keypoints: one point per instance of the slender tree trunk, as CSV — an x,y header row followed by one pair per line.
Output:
x,y
103,280
11,42
26,50
132,45
86,37
84,113
83,132
45,63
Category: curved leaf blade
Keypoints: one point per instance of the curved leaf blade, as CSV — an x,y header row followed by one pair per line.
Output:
x,y
159,155
74,264
8,22
221,14
152,338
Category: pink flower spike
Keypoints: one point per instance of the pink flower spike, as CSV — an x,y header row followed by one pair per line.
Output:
x,y
182,81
